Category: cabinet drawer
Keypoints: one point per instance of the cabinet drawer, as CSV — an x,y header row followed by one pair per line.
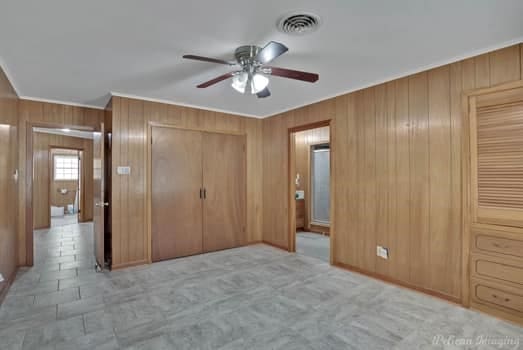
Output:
x,y
497,268
490,239
500,245
498,297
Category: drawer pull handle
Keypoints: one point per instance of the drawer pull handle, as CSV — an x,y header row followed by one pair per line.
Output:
x,y
505,299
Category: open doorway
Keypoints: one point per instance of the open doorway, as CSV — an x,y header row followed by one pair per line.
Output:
x,y
61,194
62,177
310,182
65,186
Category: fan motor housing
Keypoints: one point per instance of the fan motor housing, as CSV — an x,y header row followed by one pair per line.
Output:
x,y
245,54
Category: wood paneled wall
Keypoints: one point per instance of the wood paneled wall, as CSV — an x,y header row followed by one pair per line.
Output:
x,y
34,113
43,191
129,148
8,184
304,140
396,163
276,166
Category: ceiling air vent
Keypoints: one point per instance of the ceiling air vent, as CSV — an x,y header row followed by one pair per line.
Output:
x,y
298,23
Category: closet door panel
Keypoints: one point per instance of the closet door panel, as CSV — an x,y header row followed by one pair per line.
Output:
x,y
497,157
224,180
176,206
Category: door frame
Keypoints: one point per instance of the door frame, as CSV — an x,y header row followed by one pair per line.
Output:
x,y
99,209
29,237
291,195
148,173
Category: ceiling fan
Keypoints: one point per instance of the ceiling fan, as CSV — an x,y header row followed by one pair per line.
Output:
x,y
252,74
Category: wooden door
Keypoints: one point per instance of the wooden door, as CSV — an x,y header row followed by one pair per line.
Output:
x,y
99,196
224,180
496,121
176,203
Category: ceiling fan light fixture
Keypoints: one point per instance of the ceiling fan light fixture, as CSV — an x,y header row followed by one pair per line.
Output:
x,y
239,82
252,77
259,83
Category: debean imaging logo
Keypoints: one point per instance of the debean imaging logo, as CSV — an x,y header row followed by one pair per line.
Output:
x,y
480,340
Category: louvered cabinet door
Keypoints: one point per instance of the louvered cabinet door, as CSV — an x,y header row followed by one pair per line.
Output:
x,y
496,135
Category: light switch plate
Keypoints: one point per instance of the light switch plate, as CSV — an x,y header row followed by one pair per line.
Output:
x,y
1,278
123,170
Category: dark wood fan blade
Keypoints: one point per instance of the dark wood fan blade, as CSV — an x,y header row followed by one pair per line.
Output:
x,y
294,74
270,52
208,59
215,80
264,93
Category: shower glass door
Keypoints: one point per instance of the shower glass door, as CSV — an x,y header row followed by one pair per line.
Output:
x,y
320,183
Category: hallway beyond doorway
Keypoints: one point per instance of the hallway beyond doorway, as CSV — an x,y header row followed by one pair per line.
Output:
x,y
67,219
65,245
313,244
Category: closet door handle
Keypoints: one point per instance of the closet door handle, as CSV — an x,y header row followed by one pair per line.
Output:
x,y
201,193
204,193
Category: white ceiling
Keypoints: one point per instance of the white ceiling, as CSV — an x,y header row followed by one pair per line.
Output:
x,y
79,52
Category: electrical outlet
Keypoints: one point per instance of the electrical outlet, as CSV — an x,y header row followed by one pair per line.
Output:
x,y
382,252
123,170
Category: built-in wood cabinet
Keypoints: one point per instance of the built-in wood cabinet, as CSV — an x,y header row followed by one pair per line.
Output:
x,y
494,200
198,192
300,213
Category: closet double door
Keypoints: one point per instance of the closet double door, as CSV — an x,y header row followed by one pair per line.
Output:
x,y
198,192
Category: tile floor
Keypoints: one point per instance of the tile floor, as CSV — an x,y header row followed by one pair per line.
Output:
x,y
313,244
67,219
254,297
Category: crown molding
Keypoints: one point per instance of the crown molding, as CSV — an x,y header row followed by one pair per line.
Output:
x,y
9,77
404,74
173,103
47,100
421,69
